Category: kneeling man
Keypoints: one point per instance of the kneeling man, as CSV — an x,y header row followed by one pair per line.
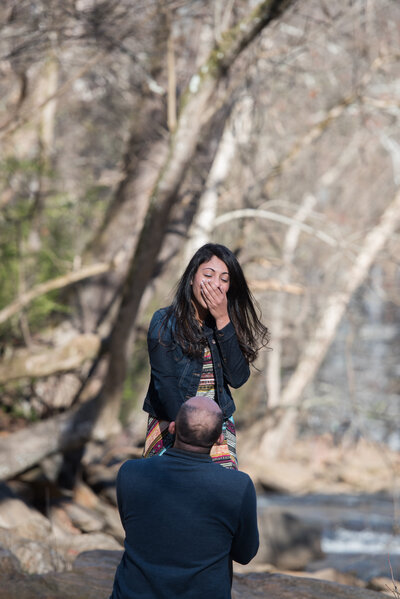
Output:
x,y
185,517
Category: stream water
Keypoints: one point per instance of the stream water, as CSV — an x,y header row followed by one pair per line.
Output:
x,y
359,533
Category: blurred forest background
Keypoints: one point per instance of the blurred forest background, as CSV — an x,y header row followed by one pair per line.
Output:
x,y
134,131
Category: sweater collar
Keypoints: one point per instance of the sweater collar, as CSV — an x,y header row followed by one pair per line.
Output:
x,y
192,455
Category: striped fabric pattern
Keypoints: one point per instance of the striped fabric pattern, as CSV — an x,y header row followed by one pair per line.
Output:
x,y
207,378
225,454
158,438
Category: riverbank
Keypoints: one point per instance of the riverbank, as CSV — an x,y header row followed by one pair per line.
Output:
x,y
348,494
93,572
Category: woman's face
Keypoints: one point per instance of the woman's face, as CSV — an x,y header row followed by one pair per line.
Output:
x,y
214,272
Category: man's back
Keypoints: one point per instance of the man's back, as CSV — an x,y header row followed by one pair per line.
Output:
x,y
184,518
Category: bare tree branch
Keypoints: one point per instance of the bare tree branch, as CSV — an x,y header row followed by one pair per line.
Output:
x,y
274,360
63,281
202,226
275,285
334,113
279,218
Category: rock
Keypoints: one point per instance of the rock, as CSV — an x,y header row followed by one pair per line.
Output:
x,y
368,467
90,562
18,517
32,556
102,480
101,463
281,586
112,521
40,547
83,495
286,541
335,576
93,573
385,585
8,562
362,565
91,578
71,546
73,518
37,558
61,522
318,465
283,476
328,574
87,520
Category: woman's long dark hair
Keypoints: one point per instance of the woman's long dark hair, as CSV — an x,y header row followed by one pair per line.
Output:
x,y
251,333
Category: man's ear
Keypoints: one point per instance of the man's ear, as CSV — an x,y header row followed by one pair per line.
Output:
x,y
172,428
221,439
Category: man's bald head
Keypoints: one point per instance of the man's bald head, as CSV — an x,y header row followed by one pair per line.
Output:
x,y
198,423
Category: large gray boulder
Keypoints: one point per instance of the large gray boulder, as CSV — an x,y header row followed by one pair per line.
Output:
x,y
93,573
280,586
286,541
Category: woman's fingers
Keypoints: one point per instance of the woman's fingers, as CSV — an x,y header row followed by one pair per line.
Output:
x,y
212,292
215,298
216,301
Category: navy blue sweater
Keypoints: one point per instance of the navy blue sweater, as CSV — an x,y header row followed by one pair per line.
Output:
x,y
185,518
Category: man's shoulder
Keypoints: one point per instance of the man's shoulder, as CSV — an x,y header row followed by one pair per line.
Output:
x,y
237,475
138,465
234,479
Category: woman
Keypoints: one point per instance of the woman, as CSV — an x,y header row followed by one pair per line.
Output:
x,y
201,345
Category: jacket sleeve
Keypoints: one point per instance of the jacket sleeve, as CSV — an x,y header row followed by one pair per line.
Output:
x,y
246,539
234,364
163,363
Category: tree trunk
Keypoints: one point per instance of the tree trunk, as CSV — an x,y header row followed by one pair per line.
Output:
x,y
274,363
202,226
125,215
23,449
41,363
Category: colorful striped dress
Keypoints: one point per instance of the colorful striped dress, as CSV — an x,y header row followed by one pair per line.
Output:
x,y
158,439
